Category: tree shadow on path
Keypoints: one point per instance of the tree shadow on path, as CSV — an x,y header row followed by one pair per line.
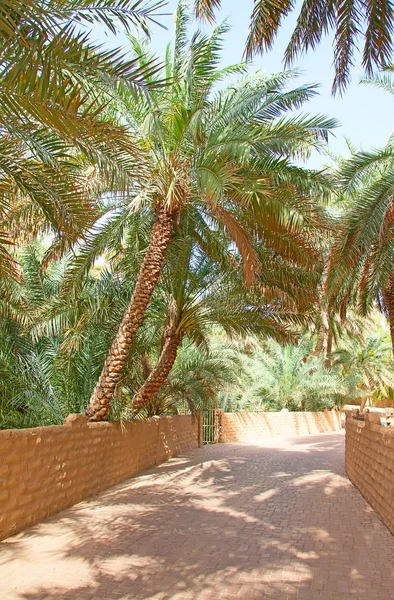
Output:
x,y
274,520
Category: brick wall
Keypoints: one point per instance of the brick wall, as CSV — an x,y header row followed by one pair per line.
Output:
x,y
47,469
249,426
370,464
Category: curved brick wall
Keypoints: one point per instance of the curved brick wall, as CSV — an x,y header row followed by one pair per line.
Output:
x,y
250,426
370,465
46,469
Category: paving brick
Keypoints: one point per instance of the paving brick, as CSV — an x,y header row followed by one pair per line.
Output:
x,y
272,520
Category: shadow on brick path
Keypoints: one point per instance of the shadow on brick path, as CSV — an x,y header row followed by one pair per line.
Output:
x,y
276,520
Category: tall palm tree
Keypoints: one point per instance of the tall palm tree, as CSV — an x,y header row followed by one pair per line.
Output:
x,y
223,157
361,273
350,20
196,291
197,295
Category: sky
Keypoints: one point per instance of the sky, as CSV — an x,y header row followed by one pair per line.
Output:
x,y
364,112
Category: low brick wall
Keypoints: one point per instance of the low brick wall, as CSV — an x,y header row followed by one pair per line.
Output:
x,y
370,465
250,426
47,469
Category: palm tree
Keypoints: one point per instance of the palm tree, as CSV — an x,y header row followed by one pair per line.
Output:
x,y
362,256
52,121
334,317
46,54
197,378
198,295
330,327
368,367
225,159
351,21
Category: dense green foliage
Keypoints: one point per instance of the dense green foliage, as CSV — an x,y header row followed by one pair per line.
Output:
x,y
279,377
273,376
271,269
52,353
53,130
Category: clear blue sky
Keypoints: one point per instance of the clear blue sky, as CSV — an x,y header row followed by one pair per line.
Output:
x,y
364,113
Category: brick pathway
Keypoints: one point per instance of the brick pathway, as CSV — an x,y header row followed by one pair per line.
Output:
x,y
276,520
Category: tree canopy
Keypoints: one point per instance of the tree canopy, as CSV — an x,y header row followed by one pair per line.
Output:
x,y
163,245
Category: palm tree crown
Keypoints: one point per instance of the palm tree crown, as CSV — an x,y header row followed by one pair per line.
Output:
x,y
52,126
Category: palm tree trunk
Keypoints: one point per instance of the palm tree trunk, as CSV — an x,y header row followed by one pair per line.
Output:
x,y
388,296
161,371
321,335
327,362
99,404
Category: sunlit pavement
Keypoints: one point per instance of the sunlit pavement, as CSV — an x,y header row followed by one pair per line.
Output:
x,y
275,520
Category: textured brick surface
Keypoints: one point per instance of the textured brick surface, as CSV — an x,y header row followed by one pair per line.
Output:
x,y
277,520
249,426
370,464
47,469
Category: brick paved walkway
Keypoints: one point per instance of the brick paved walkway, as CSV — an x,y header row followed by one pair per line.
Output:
x,y
277,520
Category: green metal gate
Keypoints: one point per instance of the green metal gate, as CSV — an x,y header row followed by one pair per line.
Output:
x,y
211,426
